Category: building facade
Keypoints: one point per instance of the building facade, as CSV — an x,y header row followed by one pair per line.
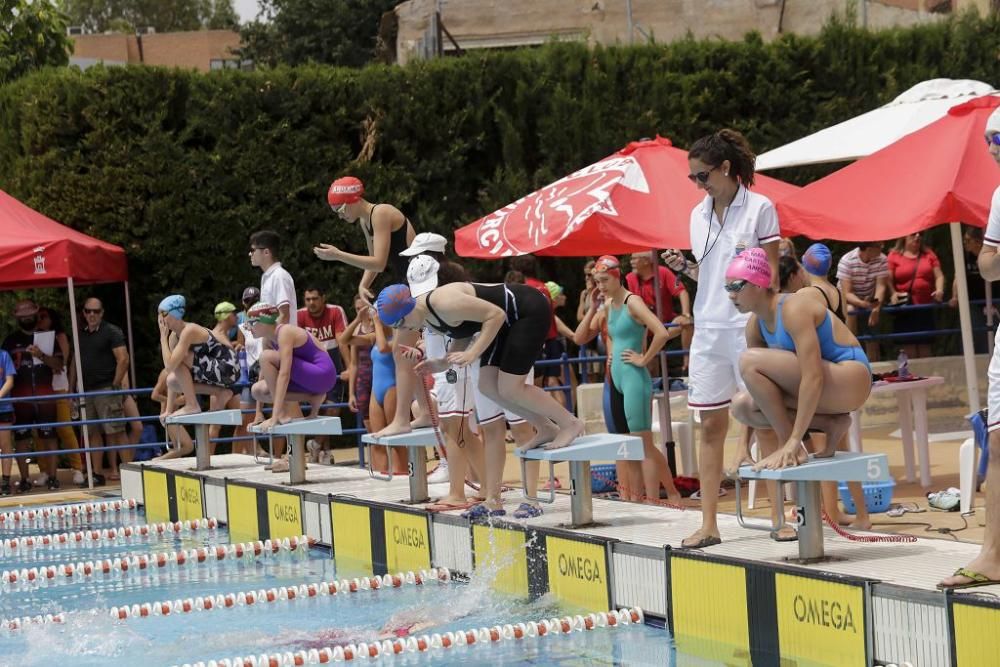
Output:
x,y
472,24
202,50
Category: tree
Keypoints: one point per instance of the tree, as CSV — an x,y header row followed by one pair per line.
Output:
x,y
32,35
334,32
162,15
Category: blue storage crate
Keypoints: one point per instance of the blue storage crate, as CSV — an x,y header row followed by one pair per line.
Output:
x,y
603,478
878,496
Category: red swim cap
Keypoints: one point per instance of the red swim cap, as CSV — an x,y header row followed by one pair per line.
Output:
x,y
345,190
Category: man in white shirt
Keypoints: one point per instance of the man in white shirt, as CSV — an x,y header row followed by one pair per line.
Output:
x,y
276,284
277,288
728,221
984,570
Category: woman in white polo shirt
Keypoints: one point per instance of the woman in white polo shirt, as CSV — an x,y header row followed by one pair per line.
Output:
x,y
729,220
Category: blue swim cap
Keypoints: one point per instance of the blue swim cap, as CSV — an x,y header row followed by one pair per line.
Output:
x,y
175,305
817,260
394,303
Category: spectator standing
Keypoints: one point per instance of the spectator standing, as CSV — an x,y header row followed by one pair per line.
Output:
x,y
917,280
984,569
35,369
972,241
641,281
104,361
276,284
325,322
864,279
7,372
50,321
729,220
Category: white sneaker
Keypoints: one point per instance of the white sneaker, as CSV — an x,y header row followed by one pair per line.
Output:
x,y
78,477
314,450
42,479
440,474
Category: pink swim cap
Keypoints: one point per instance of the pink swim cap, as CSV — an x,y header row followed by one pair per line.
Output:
x,y
752,266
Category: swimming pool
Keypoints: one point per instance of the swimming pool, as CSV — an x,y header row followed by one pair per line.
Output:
x,y
139,615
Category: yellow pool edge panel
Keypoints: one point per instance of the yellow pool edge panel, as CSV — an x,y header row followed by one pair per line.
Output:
x,y
739,612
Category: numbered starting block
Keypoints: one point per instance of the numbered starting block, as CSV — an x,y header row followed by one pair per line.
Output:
x,y
416,443
201,421
579,454
841,467
296,432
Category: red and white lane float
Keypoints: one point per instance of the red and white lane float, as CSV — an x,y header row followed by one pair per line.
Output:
x,y
436,642
105,535
282,594
157,560
51,515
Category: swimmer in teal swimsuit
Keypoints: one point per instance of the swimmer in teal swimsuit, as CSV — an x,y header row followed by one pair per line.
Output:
x,y
803,368
628,391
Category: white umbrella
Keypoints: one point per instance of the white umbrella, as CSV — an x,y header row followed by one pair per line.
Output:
x,y
863,135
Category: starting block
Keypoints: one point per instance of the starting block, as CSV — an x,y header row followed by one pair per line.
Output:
x,y
201,421
416,443
841,467
579,454
296,432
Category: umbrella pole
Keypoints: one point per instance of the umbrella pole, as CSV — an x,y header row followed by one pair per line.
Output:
x,y
79,383
128,328
965,316
666,424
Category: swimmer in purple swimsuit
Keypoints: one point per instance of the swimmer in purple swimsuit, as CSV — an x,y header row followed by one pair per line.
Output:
x,y
293,366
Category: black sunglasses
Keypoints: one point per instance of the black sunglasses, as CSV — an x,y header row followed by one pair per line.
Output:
x,y
701,176
93,311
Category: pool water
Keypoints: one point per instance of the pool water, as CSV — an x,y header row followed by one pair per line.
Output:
x,y
91,636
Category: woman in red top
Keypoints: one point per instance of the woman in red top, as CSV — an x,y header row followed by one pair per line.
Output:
x,y
917,279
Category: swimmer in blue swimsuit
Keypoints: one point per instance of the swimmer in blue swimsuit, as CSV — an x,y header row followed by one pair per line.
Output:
x,y
803,368
382,404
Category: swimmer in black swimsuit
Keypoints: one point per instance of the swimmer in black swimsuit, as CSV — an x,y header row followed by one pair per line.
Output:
x,y
512,321
387,234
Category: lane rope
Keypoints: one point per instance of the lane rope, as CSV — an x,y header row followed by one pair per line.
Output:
x,y
436,642
100,536
282,594
48,515
161,559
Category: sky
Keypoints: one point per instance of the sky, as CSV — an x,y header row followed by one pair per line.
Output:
x,y
247,9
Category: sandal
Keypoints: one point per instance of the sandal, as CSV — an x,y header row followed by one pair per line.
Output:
x,y
481,511
449,507
527,511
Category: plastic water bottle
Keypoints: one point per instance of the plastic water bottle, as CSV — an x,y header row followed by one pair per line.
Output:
x,y
903,365
244,371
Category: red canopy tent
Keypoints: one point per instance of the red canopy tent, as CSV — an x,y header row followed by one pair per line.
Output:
x,y
36,251
636,199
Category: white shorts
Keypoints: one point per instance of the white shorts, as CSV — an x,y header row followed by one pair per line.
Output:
x,y
454,400
714,367
993,377
488,411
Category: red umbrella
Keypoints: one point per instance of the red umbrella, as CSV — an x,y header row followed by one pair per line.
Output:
x,y
939,174
636,199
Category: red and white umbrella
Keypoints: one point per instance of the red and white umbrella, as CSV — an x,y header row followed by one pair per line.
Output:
x,y
637,199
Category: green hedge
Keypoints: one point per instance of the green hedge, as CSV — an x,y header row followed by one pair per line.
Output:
x,y
179,167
